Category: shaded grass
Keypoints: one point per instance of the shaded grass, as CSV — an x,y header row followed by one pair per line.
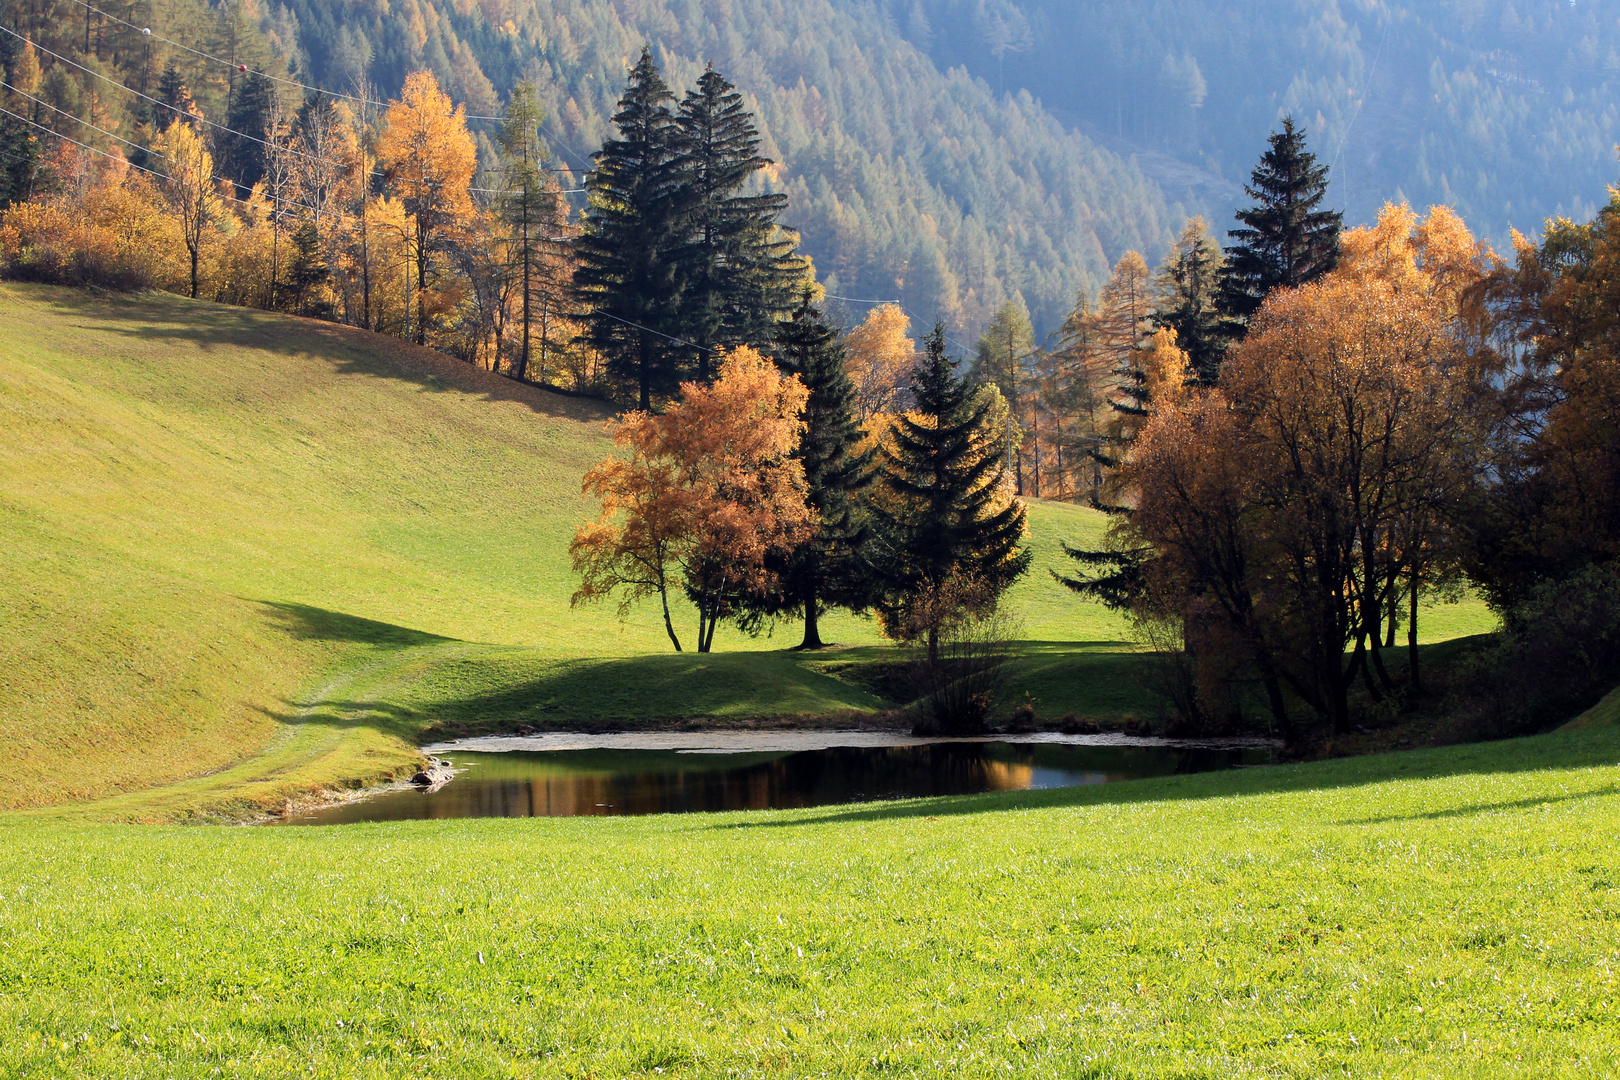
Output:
x,y
215,516
1437,914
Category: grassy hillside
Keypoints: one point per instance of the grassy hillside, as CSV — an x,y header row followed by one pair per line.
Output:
x,y
1451,913
244,541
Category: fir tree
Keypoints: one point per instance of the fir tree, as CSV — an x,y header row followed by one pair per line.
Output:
x,y
1286,239
629,257
945,471
740,270
828,571
1188,300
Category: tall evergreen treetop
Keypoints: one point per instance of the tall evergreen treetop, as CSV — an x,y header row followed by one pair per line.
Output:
x,y
741,271
1188,286
946,469
631,251
1286,239
829,570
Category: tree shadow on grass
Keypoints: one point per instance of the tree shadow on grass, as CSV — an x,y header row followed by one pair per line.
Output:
x,y
307,623
208,326
1555,750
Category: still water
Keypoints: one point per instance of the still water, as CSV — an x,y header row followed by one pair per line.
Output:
x,y
610,780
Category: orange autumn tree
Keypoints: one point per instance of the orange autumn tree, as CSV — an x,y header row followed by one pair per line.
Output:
x,y
1307,496
429,159
709,491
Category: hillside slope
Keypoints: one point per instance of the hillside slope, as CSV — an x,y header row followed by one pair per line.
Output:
x,y
235,534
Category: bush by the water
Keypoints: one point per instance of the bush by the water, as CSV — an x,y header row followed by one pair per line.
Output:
x,y
1559,652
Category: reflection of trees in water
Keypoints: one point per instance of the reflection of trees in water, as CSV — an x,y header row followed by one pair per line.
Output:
x,y
586,783
812,778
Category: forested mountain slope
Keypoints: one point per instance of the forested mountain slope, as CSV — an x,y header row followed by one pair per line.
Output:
x,y
908,182
1505,109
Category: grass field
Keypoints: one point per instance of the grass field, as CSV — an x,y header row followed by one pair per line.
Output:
x,y
250,555
1444,913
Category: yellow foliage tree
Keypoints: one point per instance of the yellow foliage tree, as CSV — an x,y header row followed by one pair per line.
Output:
x,y
879,353
190,189
429,159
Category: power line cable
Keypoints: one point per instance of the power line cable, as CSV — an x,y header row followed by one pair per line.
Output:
x,y
203,119
305,86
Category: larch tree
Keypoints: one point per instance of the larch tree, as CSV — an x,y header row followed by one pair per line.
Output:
x,y
529,208
879,356
631,252
429,160
949,513
1005,355
1286,239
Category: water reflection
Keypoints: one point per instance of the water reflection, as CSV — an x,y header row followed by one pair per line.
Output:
x,y
573,783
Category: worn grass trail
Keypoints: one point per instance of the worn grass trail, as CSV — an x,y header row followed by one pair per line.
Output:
x,y
1433,914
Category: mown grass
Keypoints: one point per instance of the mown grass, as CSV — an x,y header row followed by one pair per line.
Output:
x,y
1446,913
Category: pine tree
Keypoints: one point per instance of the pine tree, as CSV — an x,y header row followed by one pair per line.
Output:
x,y
828,571
1188,287
1287,240
948,517
740,269
1005,352
629,256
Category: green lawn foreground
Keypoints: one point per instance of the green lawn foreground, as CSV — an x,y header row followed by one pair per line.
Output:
x,y
1444,913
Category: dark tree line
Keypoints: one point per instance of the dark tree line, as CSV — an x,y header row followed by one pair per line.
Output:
x,y
676,261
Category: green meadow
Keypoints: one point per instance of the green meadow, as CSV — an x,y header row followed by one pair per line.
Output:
x,y
250,557
1439,913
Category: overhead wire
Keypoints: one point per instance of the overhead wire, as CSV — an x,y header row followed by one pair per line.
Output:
x,y
147,31
203,119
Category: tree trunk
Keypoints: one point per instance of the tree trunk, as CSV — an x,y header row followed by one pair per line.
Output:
x,y
669,627
1411,639
812,632
644,372
195,249
421,286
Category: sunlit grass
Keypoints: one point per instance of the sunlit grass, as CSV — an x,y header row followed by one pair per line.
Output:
x,y
1445,913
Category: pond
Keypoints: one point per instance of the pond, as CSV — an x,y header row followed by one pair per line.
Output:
x,y
562,775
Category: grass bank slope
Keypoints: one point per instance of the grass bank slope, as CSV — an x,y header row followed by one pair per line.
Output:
x,y
1447,913
236,541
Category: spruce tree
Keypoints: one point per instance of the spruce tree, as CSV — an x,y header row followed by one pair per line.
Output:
x,y
175,95
740,271
945,471
1188,300
829,570
1286,239
629,257
242,149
